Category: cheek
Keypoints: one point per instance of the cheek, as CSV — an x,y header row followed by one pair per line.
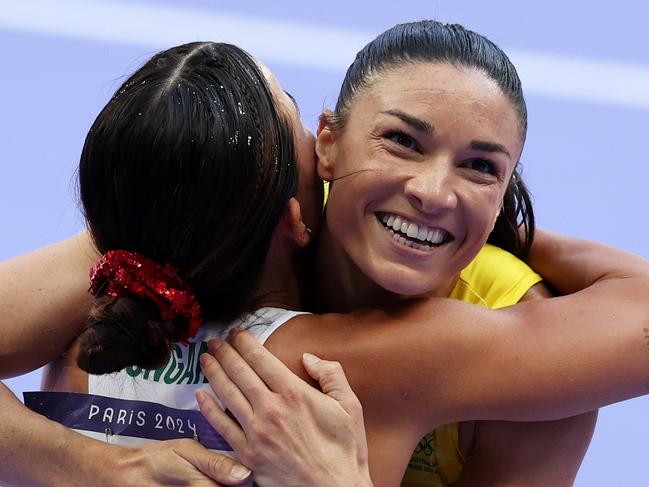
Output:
x,y
346,209
484,211
354,154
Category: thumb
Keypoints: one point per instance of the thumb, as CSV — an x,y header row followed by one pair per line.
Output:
x,y
332,380
216,466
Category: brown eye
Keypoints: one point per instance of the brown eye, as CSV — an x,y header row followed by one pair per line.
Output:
x,y
481,165
402,139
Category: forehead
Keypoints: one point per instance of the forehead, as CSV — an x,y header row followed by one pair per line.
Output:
x,y
281,99
445,94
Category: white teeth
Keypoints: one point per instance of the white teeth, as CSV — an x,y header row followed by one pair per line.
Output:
x,y
396,224
437,236
426,235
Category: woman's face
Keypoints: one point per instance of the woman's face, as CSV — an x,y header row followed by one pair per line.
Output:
x,y
310,190
424,160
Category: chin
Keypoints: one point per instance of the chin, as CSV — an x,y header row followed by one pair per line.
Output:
x,y
409,284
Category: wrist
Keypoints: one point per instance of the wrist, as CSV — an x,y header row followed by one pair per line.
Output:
x,y
87,461
365,480
361,478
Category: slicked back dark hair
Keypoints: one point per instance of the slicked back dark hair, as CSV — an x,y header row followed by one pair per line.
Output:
x,y
430,41
191,164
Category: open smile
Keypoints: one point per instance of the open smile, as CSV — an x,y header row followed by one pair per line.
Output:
x,y
410,234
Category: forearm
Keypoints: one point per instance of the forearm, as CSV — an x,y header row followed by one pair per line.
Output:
x,y
544,360
37,452
571,264
43,303
575,353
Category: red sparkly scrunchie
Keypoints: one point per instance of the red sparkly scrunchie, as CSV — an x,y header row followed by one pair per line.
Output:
x,y
125,273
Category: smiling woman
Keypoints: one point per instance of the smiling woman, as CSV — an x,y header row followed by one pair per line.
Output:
x,y
423,154
422,151
434,147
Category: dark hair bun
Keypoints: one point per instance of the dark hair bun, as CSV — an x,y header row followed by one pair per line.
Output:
x,y
122,332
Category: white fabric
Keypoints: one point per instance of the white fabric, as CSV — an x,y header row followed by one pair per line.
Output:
x,y
174,384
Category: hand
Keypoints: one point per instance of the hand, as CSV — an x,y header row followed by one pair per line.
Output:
x,y
291,434
175,462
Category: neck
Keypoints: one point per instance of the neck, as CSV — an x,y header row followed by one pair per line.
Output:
x,y
278,286
339,285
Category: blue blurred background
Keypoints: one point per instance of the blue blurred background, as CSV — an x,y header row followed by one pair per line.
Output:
x,y
584,65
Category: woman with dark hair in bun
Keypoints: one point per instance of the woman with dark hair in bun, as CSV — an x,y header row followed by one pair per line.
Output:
x,y
201,165
185,177
432,142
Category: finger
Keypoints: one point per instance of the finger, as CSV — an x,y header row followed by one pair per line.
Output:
x,y
239,370
218,467
332,380
268,367
225,389
220,421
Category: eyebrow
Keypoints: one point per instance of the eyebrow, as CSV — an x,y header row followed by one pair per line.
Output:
x,y
294,102
482,145
427,129
416,123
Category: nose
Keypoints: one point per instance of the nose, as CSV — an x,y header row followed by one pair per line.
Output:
x,y
432,188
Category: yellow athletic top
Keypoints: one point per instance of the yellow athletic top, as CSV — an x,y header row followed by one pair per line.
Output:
x,y
494,279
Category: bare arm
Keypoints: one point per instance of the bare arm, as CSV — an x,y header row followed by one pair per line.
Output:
x,y
527,454
534,361
571,264
43,303
513,454
37,452
24,431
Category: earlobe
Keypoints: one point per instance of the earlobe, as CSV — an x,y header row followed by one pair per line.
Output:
x,y
324,148
297,231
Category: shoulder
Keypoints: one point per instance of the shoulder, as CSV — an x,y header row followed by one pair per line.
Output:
x,y
495,278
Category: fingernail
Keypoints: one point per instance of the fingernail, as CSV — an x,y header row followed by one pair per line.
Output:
x,y
200,397
234,332
310,359
205,359
239,472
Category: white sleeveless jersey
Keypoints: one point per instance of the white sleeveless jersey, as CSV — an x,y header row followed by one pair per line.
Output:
x,y
136,406
175,383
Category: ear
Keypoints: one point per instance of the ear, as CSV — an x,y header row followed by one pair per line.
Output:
x,y
325,147
294,227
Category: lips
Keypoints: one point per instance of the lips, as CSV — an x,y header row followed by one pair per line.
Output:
x,y
414,235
